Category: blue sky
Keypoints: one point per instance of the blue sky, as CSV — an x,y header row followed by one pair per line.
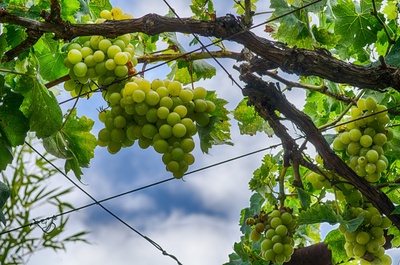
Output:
x,y
197,219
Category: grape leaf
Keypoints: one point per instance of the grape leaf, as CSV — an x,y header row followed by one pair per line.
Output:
x,y
249,121
358,28
80,142
200,69
325,213
393,57
6,156
304,197
316,107
50,59
69,9
336,241
96,6
396,239
4,195
323,36
264,175
244,214
13,124
39,106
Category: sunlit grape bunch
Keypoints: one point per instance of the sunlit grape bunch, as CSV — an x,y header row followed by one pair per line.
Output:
x,y
160,114
318,181
365,138
278,228
366,243
99,59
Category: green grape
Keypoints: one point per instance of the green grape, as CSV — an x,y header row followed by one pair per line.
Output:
x,y
354,148
266,244
259,227
174,88
381,109
389,134
275,222
162,92
114,99
166,102
151,115
75,46
70,85
179,130
117,135
376,220
142,108
355,135
355,113
189,158
144,142
176,102
372,246
269,254
386,223
161,146
112,51
338,144
361,104
104,135
121,58
186,95
110,65
187,145
67,63
210,107
114,147
288,249
386,260
138,96
286,218
383,120
359,250
120,43
362,161
94,42
129,88
200,105
202,119
344,137
173,118
370,168
104,45
277,239
80,69
362,238
101,68
173,166
370,103
162,112
74,56
119,122
156,83
199,93
366,140
143,84
278,248
165,131
372,156
181,110
152,98
86,51
281,230
121,70
177,154
190,126
380,139
382,157
374,177
350,236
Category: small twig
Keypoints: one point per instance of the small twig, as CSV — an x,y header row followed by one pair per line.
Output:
x,y
382,60
374,12
191,74
57,81
13,72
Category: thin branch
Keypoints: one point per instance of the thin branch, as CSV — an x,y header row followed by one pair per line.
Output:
x,y
33,37
321,89
374,12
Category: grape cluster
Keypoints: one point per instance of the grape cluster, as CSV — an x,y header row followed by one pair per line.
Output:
x,y
99,59
366,242
278,228
318,181
161,114
364,138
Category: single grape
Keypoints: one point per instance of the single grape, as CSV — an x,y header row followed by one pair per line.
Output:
x,y
266,244
362,238
354,148
278,248
355,135
186,95
200,105
372,156
119,122
142,108
174,88
173,118
165,131
116,12
152,98
110,65
199,93
75,46
179,130
366,141
281,230
121,70
370,103
138,96
114,147
74,56
187,145
338,144
359,250
275,222
181,110
380,139
202,119
166,102
117,135
361,104
121,58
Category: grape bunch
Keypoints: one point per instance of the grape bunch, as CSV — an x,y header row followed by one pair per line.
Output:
x,y
364,138
318,181
160,114
366,242
99,59
278,228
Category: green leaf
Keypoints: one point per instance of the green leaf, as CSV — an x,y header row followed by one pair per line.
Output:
x,y
13,124
200,68
304,197
6,156
245,213
4,195
217,131
249,121
396,210
256,201
69,9
80,141
96,6
336,241
355,23
39,106
393,57
51,61
57,146
316,107
323,36
325,213
264,178
396,233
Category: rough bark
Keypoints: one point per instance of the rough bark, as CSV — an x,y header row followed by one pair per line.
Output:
x,y
317,254
267,98
318,62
